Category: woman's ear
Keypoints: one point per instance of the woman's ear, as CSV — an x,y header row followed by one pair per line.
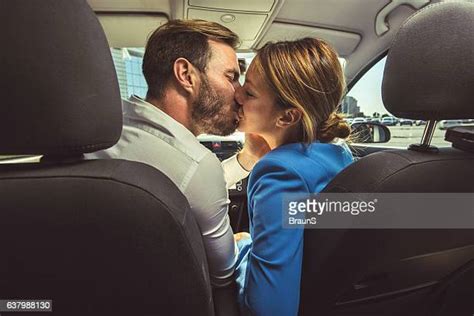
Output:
x,y
186,75
289,117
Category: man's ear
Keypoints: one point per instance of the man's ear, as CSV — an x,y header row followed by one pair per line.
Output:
x,y
289,117
186,75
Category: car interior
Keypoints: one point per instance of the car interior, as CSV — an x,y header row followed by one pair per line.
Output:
x,y
99,237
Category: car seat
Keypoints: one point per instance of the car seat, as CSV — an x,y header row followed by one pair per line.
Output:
x,y
429,75
97,237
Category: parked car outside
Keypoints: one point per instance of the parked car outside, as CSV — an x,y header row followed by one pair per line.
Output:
x,y
359,120
420,122
444,124
389,121
406,122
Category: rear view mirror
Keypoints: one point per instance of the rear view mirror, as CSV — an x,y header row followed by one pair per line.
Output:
x,y
370,133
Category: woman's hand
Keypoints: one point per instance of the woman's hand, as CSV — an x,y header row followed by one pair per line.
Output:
x,y
242,235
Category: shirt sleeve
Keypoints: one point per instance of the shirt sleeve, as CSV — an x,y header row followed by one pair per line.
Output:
x,y
209,202
273,271
233,171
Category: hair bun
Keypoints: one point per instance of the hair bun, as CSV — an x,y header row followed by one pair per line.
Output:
x,y
334,127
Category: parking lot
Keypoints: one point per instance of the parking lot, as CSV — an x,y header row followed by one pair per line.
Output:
x,y
402,136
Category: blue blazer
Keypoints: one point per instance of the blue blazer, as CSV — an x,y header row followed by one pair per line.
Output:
x,y
269,266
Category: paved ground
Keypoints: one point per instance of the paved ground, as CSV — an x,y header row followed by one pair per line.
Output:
x,y
403,136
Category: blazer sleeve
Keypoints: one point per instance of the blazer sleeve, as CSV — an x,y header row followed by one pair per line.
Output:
x,y
273,272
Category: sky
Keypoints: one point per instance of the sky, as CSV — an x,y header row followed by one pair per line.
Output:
x,y
367,90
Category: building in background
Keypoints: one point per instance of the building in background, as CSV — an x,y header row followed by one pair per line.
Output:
x,y
128,65
349,106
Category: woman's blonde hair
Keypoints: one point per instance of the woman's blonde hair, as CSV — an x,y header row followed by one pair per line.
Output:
x,y
306,74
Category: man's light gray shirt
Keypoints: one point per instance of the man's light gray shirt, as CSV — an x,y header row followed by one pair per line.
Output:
x,y
151,136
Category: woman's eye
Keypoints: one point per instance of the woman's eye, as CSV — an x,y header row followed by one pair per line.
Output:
x,y
248,94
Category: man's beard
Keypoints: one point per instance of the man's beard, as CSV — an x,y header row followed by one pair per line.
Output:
x,y
209,113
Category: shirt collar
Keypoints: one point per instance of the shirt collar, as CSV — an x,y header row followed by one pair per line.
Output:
x,y
137,109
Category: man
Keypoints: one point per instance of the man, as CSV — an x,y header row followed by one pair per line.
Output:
x,y
192,71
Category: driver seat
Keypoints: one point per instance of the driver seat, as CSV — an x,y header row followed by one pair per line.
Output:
x,y
429,75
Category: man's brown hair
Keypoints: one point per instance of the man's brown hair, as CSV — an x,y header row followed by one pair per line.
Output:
x,y
180,39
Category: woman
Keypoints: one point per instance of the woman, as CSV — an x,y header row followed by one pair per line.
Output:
x,y
289,98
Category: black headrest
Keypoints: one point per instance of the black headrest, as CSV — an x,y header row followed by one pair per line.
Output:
x,y
59,93
429,72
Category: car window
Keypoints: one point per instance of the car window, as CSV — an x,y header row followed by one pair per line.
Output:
x,y
19,159
364,102
128,65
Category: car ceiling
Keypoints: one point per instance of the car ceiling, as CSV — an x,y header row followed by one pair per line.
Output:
x,y
349,25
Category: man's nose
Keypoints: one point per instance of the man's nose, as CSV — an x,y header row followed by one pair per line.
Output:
x,y
238,95
236,84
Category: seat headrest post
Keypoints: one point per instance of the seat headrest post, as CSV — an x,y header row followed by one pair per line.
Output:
x,y
425,145
428,132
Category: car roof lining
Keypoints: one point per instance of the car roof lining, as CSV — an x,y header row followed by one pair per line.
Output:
x,y
348,25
